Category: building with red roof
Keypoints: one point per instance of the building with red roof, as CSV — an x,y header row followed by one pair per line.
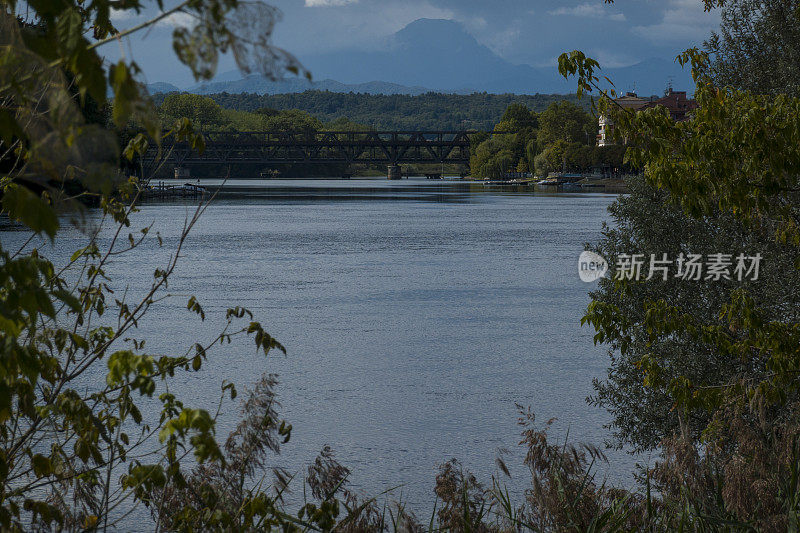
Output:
x,y
676,103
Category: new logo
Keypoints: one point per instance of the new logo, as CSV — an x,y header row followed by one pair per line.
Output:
x,y
591,266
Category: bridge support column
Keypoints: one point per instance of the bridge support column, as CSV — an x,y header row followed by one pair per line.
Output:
x,y
395,172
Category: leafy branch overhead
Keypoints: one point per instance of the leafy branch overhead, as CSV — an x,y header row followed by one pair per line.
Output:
x,y
51,71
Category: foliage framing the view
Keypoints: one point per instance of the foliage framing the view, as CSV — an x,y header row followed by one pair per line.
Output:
x,y
71,454
70,457
726,176
738,154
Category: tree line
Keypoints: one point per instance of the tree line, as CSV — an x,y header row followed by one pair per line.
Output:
x,y
559,138
431,111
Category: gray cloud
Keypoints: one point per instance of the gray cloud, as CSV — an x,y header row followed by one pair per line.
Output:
x,y
683,21
590,10
329,3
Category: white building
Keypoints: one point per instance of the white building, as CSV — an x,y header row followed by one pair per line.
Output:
x,y
629,101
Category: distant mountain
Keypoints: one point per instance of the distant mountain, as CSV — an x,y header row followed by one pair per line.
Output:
x,y
161,87
440,55
257,84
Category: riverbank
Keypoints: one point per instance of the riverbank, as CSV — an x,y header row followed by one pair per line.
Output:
x,y
448,189
606,185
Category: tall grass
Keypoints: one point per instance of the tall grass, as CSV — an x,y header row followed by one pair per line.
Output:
x,y
746,480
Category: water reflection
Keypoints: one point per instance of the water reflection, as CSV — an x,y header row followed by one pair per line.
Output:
x,y
413,189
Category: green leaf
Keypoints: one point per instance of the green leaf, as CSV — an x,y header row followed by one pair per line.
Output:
x,y
90,75
9,128
12,328
69,299
126,91
70,30
42,466
30,209
5,406
194,306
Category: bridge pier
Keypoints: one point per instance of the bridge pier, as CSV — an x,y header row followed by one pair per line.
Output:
x,y
395,172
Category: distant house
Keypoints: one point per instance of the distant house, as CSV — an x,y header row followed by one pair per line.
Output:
x,y
675,102
629,101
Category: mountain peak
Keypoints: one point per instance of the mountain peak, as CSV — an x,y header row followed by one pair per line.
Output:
x,y
442,55
425,24
437,33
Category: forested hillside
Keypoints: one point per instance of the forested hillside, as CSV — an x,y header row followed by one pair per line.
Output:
x,y
430,111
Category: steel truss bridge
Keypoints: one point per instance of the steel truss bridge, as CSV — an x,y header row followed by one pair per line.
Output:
x,y
269,147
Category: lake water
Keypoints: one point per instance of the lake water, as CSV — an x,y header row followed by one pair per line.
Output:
x,y
416,314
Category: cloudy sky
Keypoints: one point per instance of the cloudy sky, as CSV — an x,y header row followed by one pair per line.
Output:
x,y
522,31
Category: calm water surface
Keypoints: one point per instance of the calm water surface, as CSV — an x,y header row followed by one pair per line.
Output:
x,y
416,314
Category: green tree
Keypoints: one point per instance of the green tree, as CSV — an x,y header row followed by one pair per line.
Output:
x,y
758,47
551,159
241,120
494,157
202,111
345,124
564,121
612,157
645,222
573,157
736,161
291,120
430,111
517,117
